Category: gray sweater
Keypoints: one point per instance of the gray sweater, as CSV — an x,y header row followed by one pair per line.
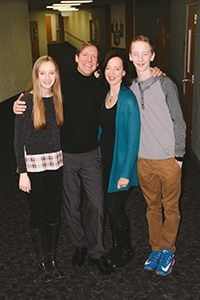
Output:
x,y
162,124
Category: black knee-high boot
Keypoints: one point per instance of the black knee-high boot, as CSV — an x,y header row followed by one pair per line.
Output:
x,y
114,249
52,237
127,252
121,252
38,236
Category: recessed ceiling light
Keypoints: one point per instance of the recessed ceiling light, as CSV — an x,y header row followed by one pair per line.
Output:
x,y
81,1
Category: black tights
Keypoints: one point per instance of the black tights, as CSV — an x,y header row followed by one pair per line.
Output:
x,y
115,208
45,197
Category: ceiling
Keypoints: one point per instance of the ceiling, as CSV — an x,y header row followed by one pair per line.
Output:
x,y
41,4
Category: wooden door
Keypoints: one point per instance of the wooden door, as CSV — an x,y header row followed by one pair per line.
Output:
x,y
48,29
107,29
61,38
129,23
161,47
188,81
34,40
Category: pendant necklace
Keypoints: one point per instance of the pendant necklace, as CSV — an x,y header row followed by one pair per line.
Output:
x,y
111,98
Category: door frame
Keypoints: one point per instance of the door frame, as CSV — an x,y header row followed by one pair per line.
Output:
x,y
188,81
34,37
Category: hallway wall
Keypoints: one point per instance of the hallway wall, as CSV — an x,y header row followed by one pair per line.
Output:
x,y
15,48
77,27
99,19
177,52
39,16
147,16
118,20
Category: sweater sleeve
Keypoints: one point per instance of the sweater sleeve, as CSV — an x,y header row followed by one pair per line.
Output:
x,y
132,136
22,127
172,98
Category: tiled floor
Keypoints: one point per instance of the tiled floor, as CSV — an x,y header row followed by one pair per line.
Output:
x,y
19,279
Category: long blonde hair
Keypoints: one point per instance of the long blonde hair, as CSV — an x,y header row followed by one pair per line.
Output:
x,y
38,112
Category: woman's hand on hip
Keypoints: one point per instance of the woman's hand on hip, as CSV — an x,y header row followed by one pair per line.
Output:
x,y
122,182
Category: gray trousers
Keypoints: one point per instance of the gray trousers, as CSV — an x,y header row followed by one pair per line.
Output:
x,y
84,170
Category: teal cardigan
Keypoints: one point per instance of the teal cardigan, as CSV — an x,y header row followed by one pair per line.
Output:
x,y
127,136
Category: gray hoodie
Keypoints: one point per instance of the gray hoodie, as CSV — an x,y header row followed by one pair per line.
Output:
x,y
162,124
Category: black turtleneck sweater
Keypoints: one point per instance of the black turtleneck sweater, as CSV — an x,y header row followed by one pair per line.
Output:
x,y
82,97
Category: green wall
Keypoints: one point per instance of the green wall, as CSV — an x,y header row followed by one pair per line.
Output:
x,y
15,48
77,27
39,17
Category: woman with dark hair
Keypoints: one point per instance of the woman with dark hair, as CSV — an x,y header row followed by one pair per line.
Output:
x,y
119,142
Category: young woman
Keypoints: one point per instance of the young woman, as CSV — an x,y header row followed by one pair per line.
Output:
x,y
119,141
39,160
161,151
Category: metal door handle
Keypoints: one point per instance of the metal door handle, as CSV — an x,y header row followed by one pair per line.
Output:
x,y
186,80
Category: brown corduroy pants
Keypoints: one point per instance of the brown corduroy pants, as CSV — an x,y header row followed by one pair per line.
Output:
x,y
160,181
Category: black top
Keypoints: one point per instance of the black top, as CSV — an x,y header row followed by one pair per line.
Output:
x,y
82,97
35,141
107,122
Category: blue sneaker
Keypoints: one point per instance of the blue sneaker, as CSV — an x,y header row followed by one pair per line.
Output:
x,y
166,263
153,260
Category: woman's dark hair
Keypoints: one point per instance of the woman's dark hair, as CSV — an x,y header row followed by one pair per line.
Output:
x,y
127,79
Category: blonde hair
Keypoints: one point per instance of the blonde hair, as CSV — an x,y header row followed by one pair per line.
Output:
x,y
85,45
142,38
38,112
